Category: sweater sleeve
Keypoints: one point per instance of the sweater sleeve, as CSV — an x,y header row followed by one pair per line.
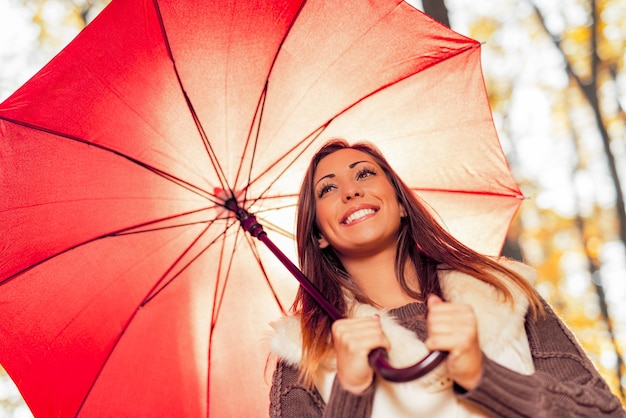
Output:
x,y
565,382
346,404
290,398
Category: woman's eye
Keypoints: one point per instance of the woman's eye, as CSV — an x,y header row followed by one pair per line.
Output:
x,y
365,172
324,189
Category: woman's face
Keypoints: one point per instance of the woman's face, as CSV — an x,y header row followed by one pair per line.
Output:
x,y
357,210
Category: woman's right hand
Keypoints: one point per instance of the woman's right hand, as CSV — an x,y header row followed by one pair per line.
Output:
x,y
354,339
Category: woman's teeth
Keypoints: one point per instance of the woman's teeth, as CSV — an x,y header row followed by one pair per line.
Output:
x,y
357,215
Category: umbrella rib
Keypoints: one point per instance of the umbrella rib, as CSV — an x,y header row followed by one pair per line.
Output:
x,y
217,306
318,131
180,182
203,135
218,292
221,289
205,140
139,230
218,295
269,226
310,138
386,86
321,73
123,231
257,256
150,295
259,111
471,192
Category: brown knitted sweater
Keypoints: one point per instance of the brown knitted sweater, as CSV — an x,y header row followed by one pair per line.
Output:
x,y
565,382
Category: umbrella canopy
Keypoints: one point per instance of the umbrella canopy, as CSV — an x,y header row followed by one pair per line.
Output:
x,y
126,288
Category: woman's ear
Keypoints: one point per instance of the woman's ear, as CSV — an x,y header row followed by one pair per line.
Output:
x,y
323,243
402,211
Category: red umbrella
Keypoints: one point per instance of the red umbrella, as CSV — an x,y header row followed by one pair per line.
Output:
x,y
126,287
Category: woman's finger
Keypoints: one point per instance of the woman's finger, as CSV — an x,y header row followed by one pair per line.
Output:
x,y
353,340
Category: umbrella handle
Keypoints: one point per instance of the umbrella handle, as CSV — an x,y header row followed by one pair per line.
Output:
x,y
378,357
379,360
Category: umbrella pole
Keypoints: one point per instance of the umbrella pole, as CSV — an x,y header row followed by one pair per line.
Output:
x,y
254,228
378,357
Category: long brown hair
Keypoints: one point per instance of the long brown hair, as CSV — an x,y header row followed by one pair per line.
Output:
x,y
422,240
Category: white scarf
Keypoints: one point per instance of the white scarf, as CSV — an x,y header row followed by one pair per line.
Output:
x,y
501,335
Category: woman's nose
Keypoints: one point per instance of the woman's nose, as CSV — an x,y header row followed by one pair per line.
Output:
x,y
352,192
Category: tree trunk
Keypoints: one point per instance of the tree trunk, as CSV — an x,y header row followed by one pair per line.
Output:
x,y
437,10
590,91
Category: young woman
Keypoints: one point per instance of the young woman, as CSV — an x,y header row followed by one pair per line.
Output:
x,y
365,240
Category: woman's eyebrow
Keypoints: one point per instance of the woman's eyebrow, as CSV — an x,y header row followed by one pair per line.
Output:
x,y
354,164
327,176
350,166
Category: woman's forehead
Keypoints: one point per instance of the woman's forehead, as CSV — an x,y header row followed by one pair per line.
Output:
x,y
342,159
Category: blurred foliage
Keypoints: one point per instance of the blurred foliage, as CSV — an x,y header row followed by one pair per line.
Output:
x,y
58,19
556,249
569,220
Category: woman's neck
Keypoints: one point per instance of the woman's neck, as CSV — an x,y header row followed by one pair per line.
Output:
x,y
376,276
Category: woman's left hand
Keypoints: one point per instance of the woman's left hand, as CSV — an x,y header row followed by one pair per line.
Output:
x,y
452,328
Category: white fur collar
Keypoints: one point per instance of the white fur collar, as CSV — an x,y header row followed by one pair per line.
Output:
x,y
500,326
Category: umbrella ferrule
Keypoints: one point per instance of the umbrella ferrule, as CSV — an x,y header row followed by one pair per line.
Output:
x,y
248,221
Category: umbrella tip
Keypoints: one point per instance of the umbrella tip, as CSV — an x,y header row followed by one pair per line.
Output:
x,y
232,202
228,200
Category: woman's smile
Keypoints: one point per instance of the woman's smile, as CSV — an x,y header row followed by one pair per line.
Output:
x,y
358,213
